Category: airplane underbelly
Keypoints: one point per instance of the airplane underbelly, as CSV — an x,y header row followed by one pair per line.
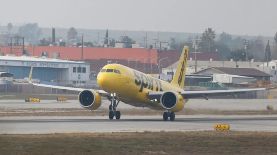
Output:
x,y
139,101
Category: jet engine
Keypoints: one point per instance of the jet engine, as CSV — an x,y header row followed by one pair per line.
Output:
x,y
90,99
172,101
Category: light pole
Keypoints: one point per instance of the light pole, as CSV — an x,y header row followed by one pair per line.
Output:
x,y
195,45
159,65
82,49
245,48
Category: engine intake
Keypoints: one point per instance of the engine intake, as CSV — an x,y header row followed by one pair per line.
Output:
x,y
90,99
172,101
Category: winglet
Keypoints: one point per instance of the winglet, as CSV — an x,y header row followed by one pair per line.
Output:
x,y
30,75
179,76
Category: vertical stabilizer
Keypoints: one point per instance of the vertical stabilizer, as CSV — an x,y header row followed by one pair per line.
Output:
x,y
179,76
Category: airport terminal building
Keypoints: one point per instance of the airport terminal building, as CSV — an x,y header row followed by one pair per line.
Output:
x,y
46,70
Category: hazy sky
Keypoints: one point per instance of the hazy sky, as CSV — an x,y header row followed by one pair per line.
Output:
x,y
246,17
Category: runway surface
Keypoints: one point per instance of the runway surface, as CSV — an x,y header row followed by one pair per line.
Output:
x,y
81,124
211,104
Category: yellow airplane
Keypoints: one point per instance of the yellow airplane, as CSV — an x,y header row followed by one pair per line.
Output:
x,y
121,83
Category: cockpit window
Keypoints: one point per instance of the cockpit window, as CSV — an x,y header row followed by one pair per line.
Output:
x,y
117,71
109,70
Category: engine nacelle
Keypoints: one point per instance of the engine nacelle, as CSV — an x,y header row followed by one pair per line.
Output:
x,y
90,99
172,101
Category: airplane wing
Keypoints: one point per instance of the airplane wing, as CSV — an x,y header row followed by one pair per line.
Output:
x,y
206,93
101,92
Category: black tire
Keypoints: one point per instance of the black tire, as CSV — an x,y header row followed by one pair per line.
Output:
x,y
111,115
117,114
165,116
172,116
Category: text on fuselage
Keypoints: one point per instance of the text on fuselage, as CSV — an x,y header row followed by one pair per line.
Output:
x,y
146,82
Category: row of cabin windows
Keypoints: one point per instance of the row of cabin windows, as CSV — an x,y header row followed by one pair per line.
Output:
x,y
110,70
79,69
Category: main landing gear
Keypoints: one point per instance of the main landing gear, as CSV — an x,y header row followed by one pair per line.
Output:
x,y
168,115
112,108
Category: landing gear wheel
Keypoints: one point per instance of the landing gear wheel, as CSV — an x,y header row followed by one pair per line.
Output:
x,y
117,114
172,116
165,116
111,115
112,107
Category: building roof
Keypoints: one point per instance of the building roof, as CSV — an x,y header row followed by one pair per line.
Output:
x,y
231,64
252,72
36,59
89,53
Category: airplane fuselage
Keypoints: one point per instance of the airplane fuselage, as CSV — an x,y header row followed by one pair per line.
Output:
x,y
132,86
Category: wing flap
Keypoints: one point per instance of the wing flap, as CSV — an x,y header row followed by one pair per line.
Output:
x,y
101,92
205,93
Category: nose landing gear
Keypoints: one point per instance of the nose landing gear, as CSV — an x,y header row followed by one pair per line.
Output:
x,y
168,115
112,108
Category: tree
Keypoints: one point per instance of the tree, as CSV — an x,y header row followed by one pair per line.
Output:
x,y
173,44
44,42
9,27
256,48
274,52
72,34
207,43
106,40
223,45
238,55
225,38
31,32
237,43
112,42
223,50
275,38
127,41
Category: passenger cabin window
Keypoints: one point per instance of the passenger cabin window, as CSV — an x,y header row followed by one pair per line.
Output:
x,y
109,70
103,70
117,71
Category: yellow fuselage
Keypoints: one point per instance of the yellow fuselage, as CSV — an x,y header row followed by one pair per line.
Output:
x,y
132,86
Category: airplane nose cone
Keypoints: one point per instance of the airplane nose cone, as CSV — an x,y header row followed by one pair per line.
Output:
x,y
100,80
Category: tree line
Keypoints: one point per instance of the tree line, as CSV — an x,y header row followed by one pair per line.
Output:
x,y
230,47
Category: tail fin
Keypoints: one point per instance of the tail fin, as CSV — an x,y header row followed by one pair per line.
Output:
x,y
179,76
30,75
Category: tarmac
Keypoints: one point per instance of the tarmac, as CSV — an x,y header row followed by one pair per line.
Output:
x,y
100,124
200,104
131,123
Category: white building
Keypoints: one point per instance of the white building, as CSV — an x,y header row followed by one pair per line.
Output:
x,y
201,65
46,70
270,68
232,79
